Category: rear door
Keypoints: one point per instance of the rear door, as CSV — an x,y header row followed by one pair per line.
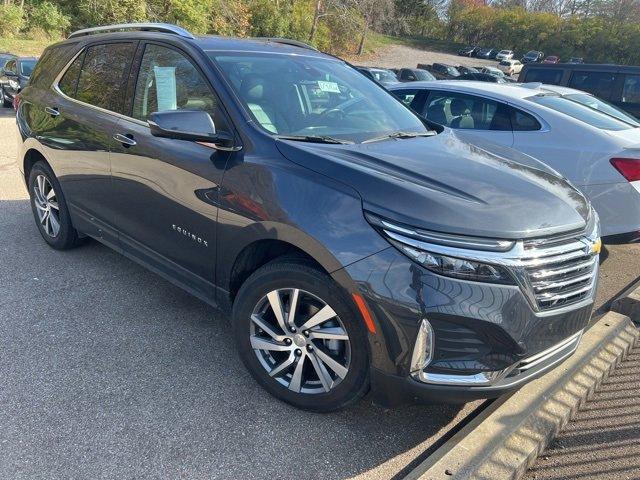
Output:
x,y
75,123
471,114
166,190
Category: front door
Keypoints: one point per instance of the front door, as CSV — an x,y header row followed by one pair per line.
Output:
x,y
166,190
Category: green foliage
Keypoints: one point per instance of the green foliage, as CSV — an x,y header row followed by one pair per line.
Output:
x,y
47,17
11,20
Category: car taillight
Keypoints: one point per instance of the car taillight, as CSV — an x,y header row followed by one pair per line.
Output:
x,y
16,102
628,167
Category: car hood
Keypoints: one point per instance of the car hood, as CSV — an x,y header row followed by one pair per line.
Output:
x,y
446,184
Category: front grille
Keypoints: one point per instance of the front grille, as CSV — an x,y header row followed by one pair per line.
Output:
x,y
561,271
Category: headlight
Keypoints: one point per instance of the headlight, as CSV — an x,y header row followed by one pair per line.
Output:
x,y
415,244
456,267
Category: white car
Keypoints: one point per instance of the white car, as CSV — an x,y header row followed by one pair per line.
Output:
x,y
573,132
504,55
510,67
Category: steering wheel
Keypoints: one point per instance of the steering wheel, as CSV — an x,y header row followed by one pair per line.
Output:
x,y
335,112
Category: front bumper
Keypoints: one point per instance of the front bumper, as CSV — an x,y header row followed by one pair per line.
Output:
x,y
479,329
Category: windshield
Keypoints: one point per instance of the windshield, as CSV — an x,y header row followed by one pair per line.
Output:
x,y
597,104
531,54
580,112
453,71
26,67
296,95
505,52
424,75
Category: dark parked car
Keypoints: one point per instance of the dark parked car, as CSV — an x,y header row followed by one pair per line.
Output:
x,y
464,70
14,77
468,51
532,57
414,74
576,60
482,77
381,75
488,53
280,185
441,71
616,84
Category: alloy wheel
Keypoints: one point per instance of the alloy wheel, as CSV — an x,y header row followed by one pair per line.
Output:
x,y
47,206
300,341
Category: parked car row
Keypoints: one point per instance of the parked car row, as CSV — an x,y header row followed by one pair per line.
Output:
x,y
407,243
532,56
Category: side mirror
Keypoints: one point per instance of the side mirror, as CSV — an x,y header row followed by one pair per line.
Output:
x,y
193,125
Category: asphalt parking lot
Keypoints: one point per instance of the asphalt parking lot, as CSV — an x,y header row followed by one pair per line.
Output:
x,y
108,371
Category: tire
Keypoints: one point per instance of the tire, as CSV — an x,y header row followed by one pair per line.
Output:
x,y
254,300
64,236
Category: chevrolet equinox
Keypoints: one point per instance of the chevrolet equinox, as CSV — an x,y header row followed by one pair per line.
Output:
x,y
356,247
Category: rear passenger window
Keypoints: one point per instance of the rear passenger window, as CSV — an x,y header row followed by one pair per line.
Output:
x,y
69,80
631,89
468,112
598,83
169,81
552,76
103,74
523,122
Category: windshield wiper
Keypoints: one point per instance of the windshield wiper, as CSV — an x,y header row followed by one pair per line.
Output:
x,y
314,139
399,135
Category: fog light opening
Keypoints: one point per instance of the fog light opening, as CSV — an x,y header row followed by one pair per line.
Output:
x,y
423,348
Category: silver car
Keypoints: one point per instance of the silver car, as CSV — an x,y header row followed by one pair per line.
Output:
x,y
593,144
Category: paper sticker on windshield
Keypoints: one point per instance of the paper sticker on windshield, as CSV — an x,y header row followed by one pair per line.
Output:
x,y
328,86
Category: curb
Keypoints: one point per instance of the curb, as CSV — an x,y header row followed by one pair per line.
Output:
x,y
505,439
629,303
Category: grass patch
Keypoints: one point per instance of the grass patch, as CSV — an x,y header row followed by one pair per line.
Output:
x,y
24,46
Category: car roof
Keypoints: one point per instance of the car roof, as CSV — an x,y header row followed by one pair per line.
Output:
x,y
506,90
562,90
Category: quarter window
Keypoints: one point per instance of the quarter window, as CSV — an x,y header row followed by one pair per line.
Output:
x,y
103,73
631,89
598,83
408,97
69,80
169,81
468,112
523,122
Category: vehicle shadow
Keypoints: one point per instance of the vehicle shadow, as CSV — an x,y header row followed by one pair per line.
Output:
x,y
109,370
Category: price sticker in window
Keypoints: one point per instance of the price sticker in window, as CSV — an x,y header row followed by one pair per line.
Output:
x,y
331,87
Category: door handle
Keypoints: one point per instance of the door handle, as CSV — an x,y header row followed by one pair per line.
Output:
x,y
126,140
52,111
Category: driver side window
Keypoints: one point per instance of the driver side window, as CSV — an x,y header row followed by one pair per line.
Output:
x,y
167,80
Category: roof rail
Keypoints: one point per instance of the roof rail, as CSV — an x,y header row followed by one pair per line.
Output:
x,y
148,27
287,41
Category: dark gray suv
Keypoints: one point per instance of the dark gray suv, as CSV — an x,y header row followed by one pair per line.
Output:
x,y
356,247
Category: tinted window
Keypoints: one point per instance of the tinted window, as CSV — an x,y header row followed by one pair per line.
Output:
x,y
169,81
305,95
552,76
631,89
523,122
104,69
457,110
69,80
424,75
580,112
598,83
53,60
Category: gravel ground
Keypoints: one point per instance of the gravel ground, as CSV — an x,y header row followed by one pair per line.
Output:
x,y
603,441
398,56
108,371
